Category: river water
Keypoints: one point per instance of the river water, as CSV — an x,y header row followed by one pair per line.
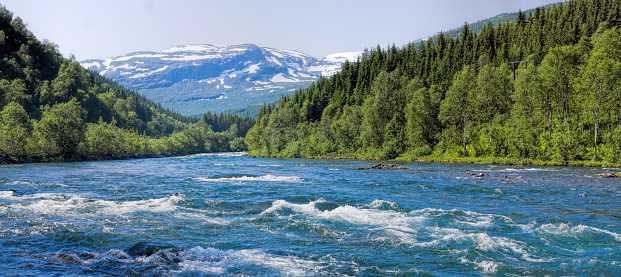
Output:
x,y
225,214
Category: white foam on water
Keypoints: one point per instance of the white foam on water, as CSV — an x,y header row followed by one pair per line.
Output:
x,y
7,194
480,220
412,227
377,203
384,218
158,205
72,206
527,169
108,230
420,228
67,204
489,243
487,266
19,183
51,203
202,217
485,242
395,223
266,178
300,208
480,241
52,184
214,261
485,222
469,217
577,232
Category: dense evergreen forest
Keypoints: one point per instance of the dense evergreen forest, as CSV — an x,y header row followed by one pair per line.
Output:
x,y
52,109
459,98
503,18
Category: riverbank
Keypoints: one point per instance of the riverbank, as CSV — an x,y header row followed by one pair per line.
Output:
x,y
4,161
447,159
509,161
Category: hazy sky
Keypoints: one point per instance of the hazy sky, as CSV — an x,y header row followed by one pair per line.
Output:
x,y
106,28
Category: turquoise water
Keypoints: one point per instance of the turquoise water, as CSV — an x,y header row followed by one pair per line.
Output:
x,y
224,214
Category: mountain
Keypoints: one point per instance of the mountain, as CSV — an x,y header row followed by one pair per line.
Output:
x,y
194,79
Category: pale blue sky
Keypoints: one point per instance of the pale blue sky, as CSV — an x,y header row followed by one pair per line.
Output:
x,y
105,28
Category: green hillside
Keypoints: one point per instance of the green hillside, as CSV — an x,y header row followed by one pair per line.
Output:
x,y
52,109
456,99
476,27
502,18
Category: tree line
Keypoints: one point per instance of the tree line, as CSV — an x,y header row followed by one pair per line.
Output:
x,y
458,97
52,109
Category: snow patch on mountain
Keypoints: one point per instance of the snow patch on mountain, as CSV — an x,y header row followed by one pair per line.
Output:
x,y
331,64
280,78
341,57
253,68
180,77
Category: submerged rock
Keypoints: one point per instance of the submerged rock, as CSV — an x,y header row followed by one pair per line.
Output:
x,y
388,166
610,175
145,248
507,177
477,174
381,166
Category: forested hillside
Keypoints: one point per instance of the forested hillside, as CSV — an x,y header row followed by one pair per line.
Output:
x,y
504,18
52,109
457,97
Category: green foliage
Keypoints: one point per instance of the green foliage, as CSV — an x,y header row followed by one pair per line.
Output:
x,y
601,82
15,131
60,130
347,128
457,110
420,114
383,116
53,109
238,144
456,96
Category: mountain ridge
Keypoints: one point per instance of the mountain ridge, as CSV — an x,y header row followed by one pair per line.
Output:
x,y
196,78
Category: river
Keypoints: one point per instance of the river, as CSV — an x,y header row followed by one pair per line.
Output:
x,y
225,214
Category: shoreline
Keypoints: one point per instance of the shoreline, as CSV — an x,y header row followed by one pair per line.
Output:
x,y
4,161
433,159
459,160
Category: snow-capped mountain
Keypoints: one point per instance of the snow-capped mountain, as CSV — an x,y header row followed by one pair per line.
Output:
x,y
194,79
331,64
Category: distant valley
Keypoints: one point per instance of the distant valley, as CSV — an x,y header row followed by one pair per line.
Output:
x,y
194,79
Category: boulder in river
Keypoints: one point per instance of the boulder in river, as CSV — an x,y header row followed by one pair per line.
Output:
x,y
146,249
381,166
610,175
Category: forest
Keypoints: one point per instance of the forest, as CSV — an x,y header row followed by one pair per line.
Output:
x,y
52,109
545,88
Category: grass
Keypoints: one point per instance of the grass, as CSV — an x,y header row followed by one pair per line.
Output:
x,y
509,161
453,159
